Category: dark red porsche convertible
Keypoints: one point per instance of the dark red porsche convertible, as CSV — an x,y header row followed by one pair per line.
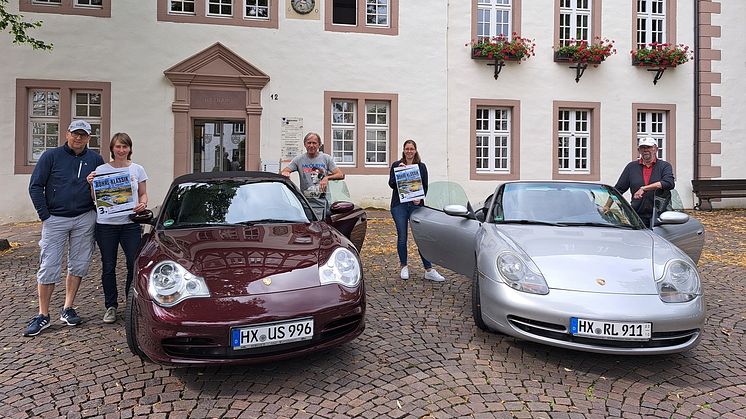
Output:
x,y
237,269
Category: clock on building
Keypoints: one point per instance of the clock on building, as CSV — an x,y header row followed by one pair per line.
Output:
x,y
303,6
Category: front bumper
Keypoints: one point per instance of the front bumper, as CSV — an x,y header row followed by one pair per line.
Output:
x,y
197,331
676,327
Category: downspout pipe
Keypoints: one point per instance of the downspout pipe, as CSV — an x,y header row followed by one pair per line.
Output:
x,y
696,91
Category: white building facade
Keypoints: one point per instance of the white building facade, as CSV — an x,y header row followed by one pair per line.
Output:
x,y
204,85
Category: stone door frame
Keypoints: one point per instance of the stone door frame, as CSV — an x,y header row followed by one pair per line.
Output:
x,y
215,84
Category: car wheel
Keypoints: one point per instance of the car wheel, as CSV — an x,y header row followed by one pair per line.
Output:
x,y
130,316
476,305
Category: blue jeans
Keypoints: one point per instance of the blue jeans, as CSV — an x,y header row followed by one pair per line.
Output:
x,y
109,237
401,214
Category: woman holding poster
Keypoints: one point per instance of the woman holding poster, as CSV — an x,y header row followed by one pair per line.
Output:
x,y
115,201
408,181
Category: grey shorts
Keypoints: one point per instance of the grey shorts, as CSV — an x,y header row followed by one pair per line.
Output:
x,y
55,232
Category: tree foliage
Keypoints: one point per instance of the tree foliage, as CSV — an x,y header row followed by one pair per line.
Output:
x,y
17,27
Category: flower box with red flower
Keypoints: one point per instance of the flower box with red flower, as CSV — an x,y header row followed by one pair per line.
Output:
x,y
584,52
656,55
502,48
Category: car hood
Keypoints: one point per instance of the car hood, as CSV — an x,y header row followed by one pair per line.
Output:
x,y
250,260
589,259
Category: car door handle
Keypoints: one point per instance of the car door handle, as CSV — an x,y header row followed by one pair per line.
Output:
x,y
700,232
415,220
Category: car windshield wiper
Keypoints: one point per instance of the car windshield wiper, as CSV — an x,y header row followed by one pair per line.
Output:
x,y
193,225
547,223
596,224
268,221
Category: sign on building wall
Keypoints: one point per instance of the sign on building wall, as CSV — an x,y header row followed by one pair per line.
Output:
x,y
291,141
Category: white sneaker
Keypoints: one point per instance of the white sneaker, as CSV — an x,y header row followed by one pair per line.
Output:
x,y
433,275
404,274
110,316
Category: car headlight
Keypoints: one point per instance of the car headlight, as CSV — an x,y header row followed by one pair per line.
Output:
x,y
343,267
519,275
680,282
169,284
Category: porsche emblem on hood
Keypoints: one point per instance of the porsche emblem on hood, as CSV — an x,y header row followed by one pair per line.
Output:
x,y
267,281
601,281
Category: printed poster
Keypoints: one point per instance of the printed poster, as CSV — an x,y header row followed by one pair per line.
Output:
x,y
291,138
409,183
114,192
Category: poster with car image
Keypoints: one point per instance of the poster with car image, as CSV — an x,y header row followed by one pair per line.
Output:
x,y
114,193
409,183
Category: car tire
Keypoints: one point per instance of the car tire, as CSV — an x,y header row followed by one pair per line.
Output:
x,y
130,324
476,305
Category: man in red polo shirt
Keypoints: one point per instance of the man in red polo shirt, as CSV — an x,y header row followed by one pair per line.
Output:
x,y
644,176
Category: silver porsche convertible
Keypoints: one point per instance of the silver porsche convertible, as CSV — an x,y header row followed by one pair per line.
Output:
x,y
570,265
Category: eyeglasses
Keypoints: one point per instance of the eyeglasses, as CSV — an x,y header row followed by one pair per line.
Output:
x,y
80,134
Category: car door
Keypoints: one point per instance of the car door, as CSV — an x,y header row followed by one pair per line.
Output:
x,y
689,237
446,240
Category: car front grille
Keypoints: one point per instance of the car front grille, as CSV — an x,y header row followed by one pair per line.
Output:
x,y
560,332
208,348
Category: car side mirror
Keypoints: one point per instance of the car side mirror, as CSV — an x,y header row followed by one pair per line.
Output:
x,y
456,210
143,217
673,217
341,207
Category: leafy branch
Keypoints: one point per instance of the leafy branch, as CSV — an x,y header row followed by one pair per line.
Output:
x,y
17,27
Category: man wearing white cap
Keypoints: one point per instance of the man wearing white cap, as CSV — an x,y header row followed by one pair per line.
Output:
x,y
62,198
645,178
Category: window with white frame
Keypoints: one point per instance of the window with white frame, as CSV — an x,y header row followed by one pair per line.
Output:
x,y
574,21
46,107
377,13
493,140
361,132
43,122
343,131
651,22
96,8
494,18
653,124
181,6
376,133
573,147
89,3
220,7
362,16
239,128
87,106
256,9
359,129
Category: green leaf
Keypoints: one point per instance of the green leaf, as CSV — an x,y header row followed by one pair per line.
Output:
x,y
17,28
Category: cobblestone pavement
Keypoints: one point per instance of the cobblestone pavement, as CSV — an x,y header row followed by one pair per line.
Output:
x,y
420,356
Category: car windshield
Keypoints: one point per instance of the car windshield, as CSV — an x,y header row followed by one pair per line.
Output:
x,y
223,202
563,204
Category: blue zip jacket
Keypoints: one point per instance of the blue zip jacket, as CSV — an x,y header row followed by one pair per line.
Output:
x,y
58,184
632,179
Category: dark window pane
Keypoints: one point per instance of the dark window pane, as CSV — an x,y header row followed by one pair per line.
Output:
x,y
344,12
